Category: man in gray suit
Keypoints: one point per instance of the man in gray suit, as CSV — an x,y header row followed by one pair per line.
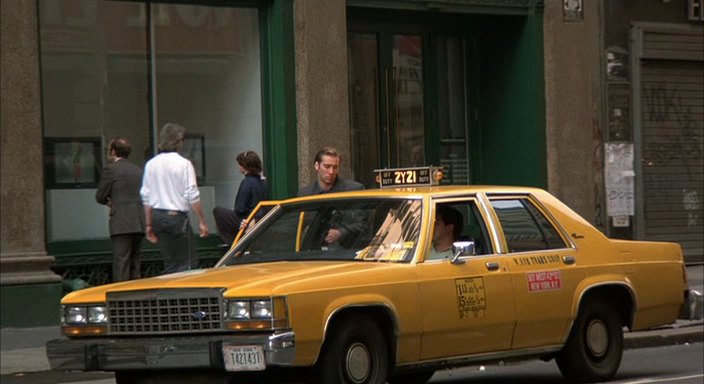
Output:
x,y
119,189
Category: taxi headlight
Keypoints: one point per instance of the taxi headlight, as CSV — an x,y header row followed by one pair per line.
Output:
x,y
76,315
97,315
261,309
256,314
238,309
85,315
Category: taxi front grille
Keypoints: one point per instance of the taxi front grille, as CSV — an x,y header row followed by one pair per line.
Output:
x,y
164,311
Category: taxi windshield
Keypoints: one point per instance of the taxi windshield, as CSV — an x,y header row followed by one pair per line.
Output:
x,y
380,229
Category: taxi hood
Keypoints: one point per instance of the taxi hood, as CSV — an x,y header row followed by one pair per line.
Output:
x,y
261,279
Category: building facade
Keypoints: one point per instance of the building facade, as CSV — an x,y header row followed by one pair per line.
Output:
x,y
598,102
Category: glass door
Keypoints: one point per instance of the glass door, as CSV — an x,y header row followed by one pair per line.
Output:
x,y
365,108
404,99
387,103
389,100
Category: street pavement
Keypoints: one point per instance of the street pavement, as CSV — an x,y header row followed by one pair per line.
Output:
x,y
23,352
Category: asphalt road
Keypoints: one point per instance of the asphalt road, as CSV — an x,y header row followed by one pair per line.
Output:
x,y
679,364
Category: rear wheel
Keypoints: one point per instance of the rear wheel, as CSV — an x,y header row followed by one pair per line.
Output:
x,y
355,353
595,346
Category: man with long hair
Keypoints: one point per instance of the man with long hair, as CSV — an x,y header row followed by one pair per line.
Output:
x,y
169,190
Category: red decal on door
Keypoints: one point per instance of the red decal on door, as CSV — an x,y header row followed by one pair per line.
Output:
x,y
544,281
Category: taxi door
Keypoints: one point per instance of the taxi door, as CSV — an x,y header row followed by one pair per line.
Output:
x,y
467,306
262,208
544,271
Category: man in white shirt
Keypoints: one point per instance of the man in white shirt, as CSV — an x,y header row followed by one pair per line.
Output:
x,y
169,190
448,228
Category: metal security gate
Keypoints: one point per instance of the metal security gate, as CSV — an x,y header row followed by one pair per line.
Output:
x,y
670,87
673,169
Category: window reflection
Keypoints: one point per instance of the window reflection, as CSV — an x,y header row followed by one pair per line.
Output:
x,y
407,59
370,230
116,68
525,228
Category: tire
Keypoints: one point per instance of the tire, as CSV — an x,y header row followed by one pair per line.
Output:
x,y
355,353
412,377
595,346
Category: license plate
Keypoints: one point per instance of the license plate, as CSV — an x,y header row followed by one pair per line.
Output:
x,y
243,358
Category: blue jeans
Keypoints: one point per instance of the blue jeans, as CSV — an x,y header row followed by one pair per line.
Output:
x,y
177,244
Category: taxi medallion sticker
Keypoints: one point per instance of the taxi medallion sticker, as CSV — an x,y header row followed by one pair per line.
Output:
x,y
471,298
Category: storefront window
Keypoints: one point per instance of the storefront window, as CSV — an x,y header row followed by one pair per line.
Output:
x,y
115,68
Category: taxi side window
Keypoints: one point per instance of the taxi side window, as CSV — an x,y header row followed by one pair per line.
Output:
x,y
525,227
473,227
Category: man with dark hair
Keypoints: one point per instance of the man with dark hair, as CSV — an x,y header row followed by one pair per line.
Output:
x,y
119,189
448,228
327,165
168,191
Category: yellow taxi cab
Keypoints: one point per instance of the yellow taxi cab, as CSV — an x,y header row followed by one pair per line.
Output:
x,y
524,277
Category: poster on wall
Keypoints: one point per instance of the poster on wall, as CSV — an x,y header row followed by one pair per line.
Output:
x,y
72,162
572,10
619,180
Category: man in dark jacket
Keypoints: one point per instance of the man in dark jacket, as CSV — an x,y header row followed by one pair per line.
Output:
x,y
327,166
253,189
119,189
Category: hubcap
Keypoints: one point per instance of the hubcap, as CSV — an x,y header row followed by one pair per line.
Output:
x,y
597,338
357,362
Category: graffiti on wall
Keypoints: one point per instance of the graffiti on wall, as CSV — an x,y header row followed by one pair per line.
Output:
x,y
674,143
681,142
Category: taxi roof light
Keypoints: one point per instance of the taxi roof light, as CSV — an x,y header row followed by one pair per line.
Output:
x,y
409,177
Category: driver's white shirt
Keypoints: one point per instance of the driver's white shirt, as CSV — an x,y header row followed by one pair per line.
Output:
x,y
439,255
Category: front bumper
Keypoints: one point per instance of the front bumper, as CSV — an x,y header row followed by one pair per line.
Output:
x,y
139,353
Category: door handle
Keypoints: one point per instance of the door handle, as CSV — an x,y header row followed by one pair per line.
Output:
x,y
492,266
569,260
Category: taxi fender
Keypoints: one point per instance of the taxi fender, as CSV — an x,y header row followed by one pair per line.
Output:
x,y
357,301
598,281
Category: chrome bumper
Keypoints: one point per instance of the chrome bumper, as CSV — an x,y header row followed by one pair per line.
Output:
x,y
692,308
138,353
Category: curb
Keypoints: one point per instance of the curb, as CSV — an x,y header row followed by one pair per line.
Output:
x,y
662,337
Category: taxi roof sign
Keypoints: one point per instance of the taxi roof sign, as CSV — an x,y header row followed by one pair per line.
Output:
x,y
406,177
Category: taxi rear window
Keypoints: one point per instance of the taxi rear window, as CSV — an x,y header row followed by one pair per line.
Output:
x,y
525,227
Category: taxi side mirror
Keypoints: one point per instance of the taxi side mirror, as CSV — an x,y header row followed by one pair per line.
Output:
x,y
462,248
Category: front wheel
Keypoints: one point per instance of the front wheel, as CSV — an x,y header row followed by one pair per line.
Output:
x,y
355,353
595,345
